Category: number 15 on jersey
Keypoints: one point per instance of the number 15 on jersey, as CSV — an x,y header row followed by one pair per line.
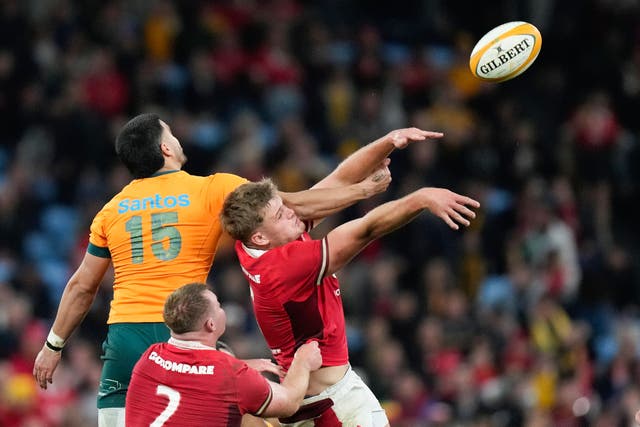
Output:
x,y
163,227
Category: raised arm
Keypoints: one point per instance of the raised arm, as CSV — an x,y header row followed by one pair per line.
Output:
x,y
353,179
317,203
288,396
347,240
363,162
76,301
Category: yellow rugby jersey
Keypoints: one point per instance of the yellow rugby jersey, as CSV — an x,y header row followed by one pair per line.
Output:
x,y
161,233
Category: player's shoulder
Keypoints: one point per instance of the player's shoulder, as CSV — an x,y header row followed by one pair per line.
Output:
x,y
188,178
305,242
226,175
221,359
290,259
226,180
285,253
219,184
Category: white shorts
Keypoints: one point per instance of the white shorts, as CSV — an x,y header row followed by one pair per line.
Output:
x,y
348,403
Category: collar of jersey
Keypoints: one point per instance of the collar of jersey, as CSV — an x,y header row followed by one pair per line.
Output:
x,y
197,345
164,173
255,253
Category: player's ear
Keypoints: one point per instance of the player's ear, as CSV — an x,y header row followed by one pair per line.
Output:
x,y
210,324
166,150
259,239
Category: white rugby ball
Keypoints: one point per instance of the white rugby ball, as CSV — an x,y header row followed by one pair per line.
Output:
x,y
505,52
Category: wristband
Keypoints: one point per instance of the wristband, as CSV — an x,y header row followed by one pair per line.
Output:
x,y
52,347
54,341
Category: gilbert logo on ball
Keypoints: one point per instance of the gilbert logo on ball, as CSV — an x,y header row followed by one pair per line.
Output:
x,y
505,52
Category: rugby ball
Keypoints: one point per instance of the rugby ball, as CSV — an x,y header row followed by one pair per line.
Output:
x,y
505,52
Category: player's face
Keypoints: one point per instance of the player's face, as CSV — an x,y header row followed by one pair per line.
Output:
x,y
173,143
280,225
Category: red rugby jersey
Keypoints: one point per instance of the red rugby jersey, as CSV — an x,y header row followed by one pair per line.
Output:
x,y
174,386
293,302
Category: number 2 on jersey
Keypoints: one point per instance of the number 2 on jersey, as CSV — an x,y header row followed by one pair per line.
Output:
x,y
160,229
172,406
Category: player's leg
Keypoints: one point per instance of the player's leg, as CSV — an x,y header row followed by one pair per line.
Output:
x,y
356,405
122,348
347,403
111,417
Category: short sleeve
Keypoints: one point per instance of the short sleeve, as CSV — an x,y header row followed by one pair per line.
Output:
x,y
254,391
98,238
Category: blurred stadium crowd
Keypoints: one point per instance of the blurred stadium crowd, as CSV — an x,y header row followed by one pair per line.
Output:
x,y
528,318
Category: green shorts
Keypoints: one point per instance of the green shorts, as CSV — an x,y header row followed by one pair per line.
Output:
x,y
122,348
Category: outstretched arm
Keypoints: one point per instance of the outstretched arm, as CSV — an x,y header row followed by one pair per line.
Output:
x,y
363,162
317,203
347,240
353,179
76,301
